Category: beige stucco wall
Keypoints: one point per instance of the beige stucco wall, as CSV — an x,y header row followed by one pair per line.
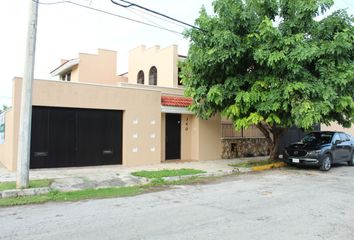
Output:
x,y
99,68
186,137
200,139
75,74
210,146
143,122
6,149
195,139
336,127
16,107
164,90
141,113
163,136
8,154
164,59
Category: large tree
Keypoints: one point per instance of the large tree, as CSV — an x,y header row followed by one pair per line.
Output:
x,y
273,64
4,108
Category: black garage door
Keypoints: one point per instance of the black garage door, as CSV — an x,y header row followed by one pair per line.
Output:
x,y
68,137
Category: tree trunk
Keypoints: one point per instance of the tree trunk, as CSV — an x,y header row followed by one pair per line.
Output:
x,y
274,151
272,135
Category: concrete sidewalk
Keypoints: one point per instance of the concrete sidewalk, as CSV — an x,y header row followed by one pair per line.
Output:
x,y
70,179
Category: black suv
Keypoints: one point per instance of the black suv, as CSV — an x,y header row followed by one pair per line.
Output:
x,y
321,149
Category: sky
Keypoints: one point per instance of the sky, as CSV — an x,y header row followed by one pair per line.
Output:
x,y
66,29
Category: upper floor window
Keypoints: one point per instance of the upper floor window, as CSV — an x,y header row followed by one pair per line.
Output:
x,y
153,76
179,77
66,76
140,77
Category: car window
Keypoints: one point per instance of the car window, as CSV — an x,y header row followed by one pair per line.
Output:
x,y
335,138
346,137
343,137
317,138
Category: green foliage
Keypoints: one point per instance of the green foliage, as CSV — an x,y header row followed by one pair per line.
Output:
x,y
73,196
95,193
4,108
32,184
5,202
271,61
98,193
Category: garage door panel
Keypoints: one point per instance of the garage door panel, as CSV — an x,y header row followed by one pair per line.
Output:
x,y
76,137
40,138
112,129
90,137
62,137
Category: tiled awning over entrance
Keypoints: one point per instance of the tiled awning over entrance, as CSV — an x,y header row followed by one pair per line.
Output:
x,y
175,104
174,101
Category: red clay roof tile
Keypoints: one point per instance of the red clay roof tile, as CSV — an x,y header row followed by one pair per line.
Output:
x,y
173,101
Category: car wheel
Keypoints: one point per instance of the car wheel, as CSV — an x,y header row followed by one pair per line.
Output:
x,y
351,162
326,163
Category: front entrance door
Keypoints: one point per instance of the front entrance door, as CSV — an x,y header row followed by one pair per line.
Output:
x,y
173,136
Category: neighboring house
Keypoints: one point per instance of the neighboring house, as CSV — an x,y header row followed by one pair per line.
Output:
x,y
336,127
90,116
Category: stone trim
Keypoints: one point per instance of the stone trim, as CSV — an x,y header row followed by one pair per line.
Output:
x,y
244,147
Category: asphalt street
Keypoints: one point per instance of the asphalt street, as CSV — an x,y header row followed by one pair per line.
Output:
x,y
277,204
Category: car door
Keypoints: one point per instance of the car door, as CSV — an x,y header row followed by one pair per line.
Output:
x,y
346,146
337,153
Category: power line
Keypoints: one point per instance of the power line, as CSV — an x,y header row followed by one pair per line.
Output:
x,y
108,13
130,4
160,18
147,19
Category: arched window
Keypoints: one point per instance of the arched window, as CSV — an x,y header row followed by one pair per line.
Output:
x,y
140,77
153,76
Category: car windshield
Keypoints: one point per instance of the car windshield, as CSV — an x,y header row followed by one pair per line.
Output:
x,y
317,138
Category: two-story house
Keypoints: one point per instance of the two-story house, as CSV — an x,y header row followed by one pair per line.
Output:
x,y
92,116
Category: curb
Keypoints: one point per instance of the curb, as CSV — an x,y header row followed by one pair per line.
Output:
x,y
12,193
268,166
207,174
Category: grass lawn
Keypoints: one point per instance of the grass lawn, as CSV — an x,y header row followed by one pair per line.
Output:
x,y
157,184
73,196
6,202
96,193
167,173
32,184
56,196
184,181
249,164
